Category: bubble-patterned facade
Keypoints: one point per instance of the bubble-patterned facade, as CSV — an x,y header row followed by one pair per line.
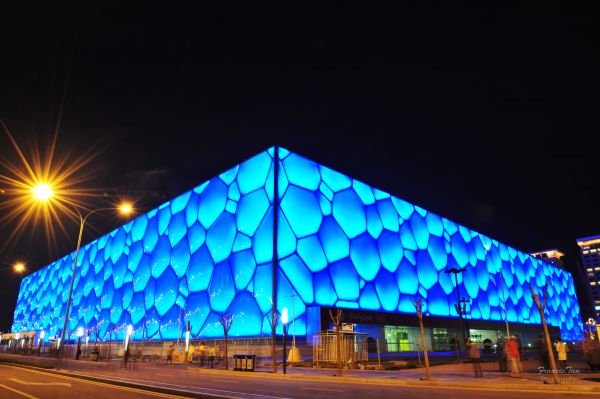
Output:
x,y
341,243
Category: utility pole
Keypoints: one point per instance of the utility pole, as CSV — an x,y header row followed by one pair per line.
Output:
x,y
458,306
274,259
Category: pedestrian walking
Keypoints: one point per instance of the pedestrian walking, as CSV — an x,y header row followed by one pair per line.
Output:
x,y
542,352
562,349
170,354
202,355
501,356
126,358
512,353
212,353
474,349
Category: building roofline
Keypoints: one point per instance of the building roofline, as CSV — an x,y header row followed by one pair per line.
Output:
x,y
588,240
548,251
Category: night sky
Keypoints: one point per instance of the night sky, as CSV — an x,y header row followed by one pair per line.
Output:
x,y
484,116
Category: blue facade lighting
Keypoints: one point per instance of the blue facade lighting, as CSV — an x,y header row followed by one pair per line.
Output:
x,y
340,243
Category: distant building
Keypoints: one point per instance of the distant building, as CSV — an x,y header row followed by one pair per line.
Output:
x,y
552,256
590,256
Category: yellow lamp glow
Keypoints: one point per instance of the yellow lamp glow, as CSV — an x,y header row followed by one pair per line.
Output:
x,y
19,267
125,208
42,191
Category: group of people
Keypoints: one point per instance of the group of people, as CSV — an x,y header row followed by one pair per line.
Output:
x,y
207,354
510,351
129,358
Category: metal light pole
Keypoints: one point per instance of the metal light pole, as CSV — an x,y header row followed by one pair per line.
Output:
x,y
41,341
458,307
284,320
125,209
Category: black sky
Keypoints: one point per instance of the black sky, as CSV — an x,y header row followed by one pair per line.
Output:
x,y
487,116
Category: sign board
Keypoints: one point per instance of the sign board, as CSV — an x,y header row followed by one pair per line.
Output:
x,y
348,327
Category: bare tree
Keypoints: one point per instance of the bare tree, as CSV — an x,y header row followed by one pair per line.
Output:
x,y
419,308
226,320
337,322
542,308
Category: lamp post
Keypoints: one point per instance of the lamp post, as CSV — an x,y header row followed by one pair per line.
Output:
x,y
128,334
284,320
79,335
20,269
187,340
458,305
41,341
124,209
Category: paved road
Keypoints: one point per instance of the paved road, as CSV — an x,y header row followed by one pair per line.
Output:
x,y
32,384
263,388
19,383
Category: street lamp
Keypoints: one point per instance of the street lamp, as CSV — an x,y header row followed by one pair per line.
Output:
x,y
128,336
42,191
41,341
79,335
458,305
19,267
284,320
124,209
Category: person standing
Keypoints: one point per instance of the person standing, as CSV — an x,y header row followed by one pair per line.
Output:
x,y
512,352
501,356
562,349
170,354
202,354
212,353
475,356
126,358
542,352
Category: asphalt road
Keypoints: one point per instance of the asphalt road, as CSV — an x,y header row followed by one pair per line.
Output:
x,y
20,383
24,383
267,388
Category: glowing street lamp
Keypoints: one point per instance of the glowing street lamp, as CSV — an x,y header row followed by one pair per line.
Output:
x,y
284,320
19,267
42,192
41,341
125,209
128,334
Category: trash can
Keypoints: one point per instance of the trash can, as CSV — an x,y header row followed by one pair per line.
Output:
x,y
250,362
244,362
237,362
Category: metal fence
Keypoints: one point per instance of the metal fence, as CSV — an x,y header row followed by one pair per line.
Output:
x,y
354,347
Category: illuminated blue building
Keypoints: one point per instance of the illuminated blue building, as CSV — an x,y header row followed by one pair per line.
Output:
x,y
340,243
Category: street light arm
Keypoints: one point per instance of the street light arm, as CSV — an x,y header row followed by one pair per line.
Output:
x,y
82,220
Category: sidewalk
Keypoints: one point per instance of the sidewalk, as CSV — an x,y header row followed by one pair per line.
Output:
x,y
449,375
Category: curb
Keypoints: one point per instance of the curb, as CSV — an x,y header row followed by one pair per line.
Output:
x,y
381,381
